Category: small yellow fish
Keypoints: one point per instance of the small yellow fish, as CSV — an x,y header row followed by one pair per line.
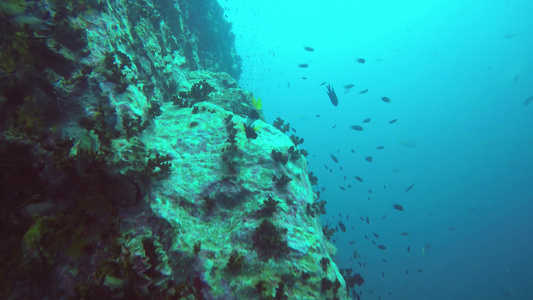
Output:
x,y
257,103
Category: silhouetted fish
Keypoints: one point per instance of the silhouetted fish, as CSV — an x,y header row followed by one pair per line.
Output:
x,y
332,96
385,99
351,242
334,158
317,116
303,65
342,188
360,60
379,147
322,83
528,100
410,187
349,86
405,233
359,178
356,127
408,249
375,234
367,120
310,49
382,247
341,226
368,158
397,206
393,121
363,91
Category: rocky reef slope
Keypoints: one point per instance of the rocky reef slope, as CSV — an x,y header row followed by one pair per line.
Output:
x,y
130,168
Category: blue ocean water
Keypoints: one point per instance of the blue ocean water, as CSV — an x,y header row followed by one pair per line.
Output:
x,y
458,75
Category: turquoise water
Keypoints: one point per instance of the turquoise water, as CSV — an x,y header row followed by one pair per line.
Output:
x,y
458,77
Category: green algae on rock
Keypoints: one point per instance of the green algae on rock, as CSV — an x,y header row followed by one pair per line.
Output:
x,y
126,171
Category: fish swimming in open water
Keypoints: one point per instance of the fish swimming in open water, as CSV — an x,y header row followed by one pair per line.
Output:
x,y
332,96
397,206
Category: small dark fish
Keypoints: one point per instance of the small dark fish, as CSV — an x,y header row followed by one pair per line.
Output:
x,y
334,158
332,96
384,260
303,65
317,116
349,86
353,151
420,270
370,191
326,167
376,235
385,99
334,126
384,216
406,272
397,206
379,147
340,168
368,158
410,187
347,217
341,226
342,188
393,121
408,249
304,78
528,100
362,219
367,120
366,237
383,274
288,84
405,233
351,242
322,83
363,91
356,127
359,178
293,129
367,220
382,247
360,60
310,49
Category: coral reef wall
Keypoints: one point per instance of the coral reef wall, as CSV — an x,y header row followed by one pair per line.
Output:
x,y
132,166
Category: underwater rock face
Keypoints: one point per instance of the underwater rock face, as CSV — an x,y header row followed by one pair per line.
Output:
x,y
126,164
208,204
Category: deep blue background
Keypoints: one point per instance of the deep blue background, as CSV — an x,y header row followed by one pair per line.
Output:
x,y
457,75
